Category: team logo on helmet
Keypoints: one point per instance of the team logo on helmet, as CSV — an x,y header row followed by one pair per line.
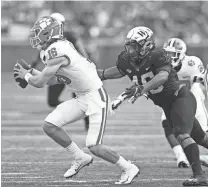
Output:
x,y
46,29
139,42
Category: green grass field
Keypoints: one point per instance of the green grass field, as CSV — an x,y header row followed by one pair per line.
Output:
x,y
30,158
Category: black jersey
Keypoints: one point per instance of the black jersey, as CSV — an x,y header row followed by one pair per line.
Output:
x,y
156,61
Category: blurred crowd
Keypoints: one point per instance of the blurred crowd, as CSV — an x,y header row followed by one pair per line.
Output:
x,y
111,19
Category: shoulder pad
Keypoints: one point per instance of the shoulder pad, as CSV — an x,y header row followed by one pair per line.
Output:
x,y
196,60
159,57
193,60
123,56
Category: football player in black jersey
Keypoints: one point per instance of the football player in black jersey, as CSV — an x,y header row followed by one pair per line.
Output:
x,y
54,91
150,70
191,70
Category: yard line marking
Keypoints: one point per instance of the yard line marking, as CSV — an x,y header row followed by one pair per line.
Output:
x,y
13,173
130,136
16,121
96,161
28,177
68,185
93,181
54,148
133,122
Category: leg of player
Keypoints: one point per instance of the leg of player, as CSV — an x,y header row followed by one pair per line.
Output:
x,y
182,161
67,112
201,138
54,91
201,111
204,160
94,143
182,116
199,135
86,119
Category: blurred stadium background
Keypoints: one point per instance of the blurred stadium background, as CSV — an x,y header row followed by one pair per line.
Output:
x,y
29,157
104,25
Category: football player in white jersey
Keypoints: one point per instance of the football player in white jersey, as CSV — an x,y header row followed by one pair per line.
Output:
x,y
191,69
63,64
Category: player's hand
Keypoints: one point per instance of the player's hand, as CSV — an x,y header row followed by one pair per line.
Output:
x,y
20,72
133,91
20,81
118,101
115,104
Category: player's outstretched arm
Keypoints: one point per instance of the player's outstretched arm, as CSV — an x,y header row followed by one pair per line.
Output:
x,y
136,91
110,73
158,80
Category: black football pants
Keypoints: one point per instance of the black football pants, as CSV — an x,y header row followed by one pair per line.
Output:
x,y
180,112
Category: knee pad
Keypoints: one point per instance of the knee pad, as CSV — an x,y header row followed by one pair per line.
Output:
x,y
167,128
185,140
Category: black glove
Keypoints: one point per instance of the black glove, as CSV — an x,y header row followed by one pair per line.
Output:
x,y
133,92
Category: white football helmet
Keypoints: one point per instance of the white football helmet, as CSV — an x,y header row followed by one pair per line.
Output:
x,y
176,49
58,17
46,30
139,42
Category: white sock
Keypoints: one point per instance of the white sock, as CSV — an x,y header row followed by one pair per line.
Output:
x,y
75,150
178,150
122,163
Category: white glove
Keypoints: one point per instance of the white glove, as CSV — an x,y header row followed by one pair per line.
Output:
x,y
118,101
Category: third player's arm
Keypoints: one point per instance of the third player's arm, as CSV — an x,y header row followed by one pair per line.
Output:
x,y
109,73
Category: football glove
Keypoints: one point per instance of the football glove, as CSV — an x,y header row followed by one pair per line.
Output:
x,y
133,92
21,82
118,101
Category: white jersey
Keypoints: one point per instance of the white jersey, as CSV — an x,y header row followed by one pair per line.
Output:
x,y
80,75
191,67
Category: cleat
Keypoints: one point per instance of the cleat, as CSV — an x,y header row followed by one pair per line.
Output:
x,y
204,160
182,161
77,165
128,176
198,180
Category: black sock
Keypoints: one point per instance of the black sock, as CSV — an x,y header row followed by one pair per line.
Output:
x,y
192,154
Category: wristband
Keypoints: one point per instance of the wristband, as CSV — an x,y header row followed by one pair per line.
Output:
x,y
27,76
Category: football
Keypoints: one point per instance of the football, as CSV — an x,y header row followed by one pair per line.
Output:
x,y
21,82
